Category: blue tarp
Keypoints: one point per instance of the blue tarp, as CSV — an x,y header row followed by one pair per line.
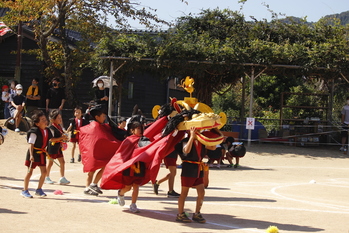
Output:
x,y
243,132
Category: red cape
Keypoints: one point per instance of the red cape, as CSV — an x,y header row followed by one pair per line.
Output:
x,y
97,145
151,155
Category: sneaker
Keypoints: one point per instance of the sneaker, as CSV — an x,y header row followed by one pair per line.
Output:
x,y
26,194
90,192
133,208
121,199
230,165
172,194
79,158
198,218
48,180
96,189
72,160
64,181
183,218
17,130
12,121
218,166
40,193
236,165
156,187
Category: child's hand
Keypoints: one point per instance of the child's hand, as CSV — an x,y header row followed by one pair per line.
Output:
x,y
64,137
192,131
31,158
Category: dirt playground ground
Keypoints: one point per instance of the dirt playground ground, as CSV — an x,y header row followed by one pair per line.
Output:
x,y
297,189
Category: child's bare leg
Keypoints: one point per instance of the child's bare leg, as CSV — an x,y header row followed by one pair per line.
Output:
x,y
171,177
164,179
237,159
200,199
27,178
124,190
181,199
43,171
89,178
135,193
61,166
49,166
230,159
98,176
73,149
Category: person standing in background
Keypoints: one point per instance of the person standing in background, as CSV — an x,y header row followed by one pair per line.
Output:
x,y
345,123
55,97
101,95
33,97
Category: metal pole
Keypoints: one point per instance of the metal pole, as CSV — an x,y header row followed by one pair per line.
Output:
x,y
19,53
251,104
242,111
110,89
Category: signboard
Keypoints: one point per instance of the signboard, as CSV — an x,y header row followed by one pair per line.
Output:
x,y
250,123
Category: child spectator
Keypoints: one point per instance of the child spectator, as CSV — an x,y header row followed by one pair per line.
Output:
x,y
171,164
5,96
216,154
235,150
74,126
38,138
54,149
17,106
13,85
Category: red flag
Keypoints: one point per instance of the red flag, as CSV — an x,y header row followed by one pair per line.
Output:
x,y
4,29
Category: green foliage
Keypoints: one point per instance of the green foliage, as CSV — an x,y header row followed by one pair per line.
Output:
x,y
54,21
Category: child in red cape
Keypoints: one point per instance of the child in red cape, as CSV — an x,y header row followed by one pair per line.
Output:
x,y
129,154
97,146
133,176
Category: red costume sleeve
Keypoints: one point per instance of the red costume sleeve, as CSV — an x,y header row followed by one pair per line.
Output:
x,y
97,145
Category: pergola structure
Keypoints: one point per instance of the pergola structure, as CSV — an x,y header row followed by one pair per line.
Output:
x,y
255,73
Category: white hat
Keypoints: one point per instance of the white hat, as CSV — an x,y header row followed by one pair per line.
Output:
x,y
19,86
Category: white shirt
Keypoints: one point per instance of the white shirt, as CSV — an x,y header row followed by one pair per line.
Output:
x,y
345,112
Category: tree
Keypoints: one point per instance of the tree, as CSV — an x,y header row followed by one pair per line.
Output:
x,y
218,47
54,22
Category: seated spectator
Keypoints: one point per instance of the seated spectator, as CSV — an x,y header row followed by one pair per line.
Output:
x,y
17,106
5,96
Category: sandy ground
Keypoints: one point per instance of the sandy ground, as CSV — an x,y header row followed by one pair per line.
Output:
x,y
297,189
